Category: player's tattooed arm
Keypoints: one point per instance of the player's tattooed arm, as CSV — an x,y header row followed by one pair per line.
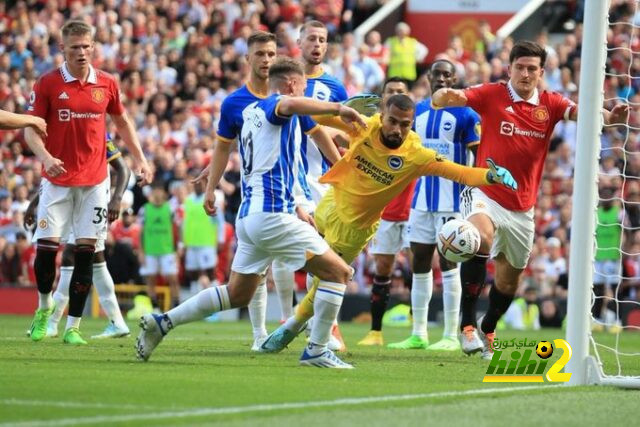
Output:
x,y
121,178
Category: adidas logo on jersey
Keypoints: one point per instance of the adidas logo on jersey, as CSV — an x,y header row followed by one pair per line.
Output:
x,y
509,109
63,95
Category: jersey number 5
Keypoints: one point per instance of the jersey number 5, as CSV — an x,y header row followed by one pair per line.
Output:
x,y
247,153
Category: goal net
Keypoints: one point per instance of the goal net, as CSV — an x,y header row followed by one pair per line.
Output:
x,y
603,307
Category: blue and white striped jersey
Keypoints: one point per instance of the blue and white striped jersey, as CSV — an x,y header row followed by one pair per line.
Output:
x,y
268,148
231,112
324,88
449,131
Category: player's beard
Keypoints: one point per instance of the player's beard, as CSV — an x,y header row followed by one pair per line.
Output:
x,y
391,143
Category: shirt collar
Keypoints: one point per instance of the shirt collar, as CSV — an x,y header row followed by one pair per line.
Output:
x,y
68,78
535,98
316,75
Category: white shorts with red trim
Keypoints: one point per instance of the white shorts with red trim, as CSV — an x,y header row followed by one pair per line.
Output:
x,y
514,230
390,238
78,210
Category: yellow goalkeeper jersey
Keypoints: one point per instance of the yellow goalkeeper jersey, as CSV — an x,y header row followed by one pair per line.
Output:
x,y
370,175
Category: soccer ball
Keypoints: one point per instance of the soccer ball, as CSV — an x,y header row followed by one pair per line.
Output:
x,y
544,349
458,240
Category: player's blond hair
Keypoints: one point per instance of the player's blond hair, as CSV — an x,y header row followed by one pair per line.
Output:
x,y
285,65
76,27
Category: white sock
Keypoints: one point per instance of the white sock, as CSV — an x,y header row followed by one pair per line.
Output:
x,y
72,322
45,301
201,305
326,306
292,324
451,295
420,296
258,311
309,285
106,291
61,295
285,283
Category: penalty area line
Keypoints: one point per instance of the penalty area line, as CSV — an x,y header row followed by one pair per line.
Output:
x,y
200,412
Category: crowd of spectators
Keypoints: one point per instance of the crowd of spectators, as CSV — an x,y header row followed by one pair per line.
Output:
x,y
177,60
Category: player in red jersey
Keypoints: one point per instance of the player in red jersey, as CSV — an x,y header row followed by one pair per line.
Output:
x,y
390,238
517,122
74,100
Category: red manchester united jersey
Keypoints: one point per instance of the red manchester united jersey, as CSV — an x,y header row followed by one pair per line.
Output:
x,y
398,209
76,122
516,134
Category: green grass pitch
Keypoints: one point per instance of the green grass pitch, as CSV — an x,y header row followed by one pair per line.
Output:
x,y
205,374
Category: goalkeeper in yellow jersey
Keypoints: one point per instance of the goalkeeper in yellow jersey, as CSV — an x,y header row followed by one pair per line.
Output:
x,y
379,163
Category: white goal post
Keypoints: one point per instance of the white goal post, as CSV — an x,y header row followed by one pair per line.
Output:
x,y
585,365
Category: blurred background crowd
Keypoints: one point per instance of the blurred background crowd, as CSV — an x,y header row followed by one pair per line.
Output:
x,y
177,60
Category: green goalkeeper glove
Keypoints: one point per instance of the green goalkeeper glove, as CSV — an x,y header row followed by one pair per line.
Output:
x,y
500,175
366,103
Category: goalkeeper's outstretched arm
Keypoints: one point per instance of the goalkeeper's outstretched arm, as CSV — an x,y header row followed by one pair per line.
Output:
x,y
475,177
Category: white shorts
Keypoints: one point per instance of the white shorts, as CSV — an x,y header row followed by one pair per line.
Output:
x,y
81,210
424,226
607,272
309,206
391,238
159,264
514,230
200,258
263,237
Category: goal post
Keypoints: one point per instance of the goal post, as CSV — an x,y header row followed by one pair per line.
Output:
x,y
585,186
585,366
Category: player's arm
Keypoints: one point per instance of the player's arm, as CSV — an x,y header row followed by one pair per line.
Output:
x,y
121,178
617,115
202,176
52,166
29,218
325,144
471,176
9,120
334,123
447,97
219,160
290,105
127,131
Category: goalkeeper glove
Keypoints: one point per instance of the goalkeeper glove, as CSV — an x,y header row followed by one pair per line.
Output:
x,y
499,175
366,103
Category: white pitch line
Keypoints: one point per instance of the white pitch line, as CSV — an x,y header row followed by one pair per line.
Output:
x,y
199,412
68,404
